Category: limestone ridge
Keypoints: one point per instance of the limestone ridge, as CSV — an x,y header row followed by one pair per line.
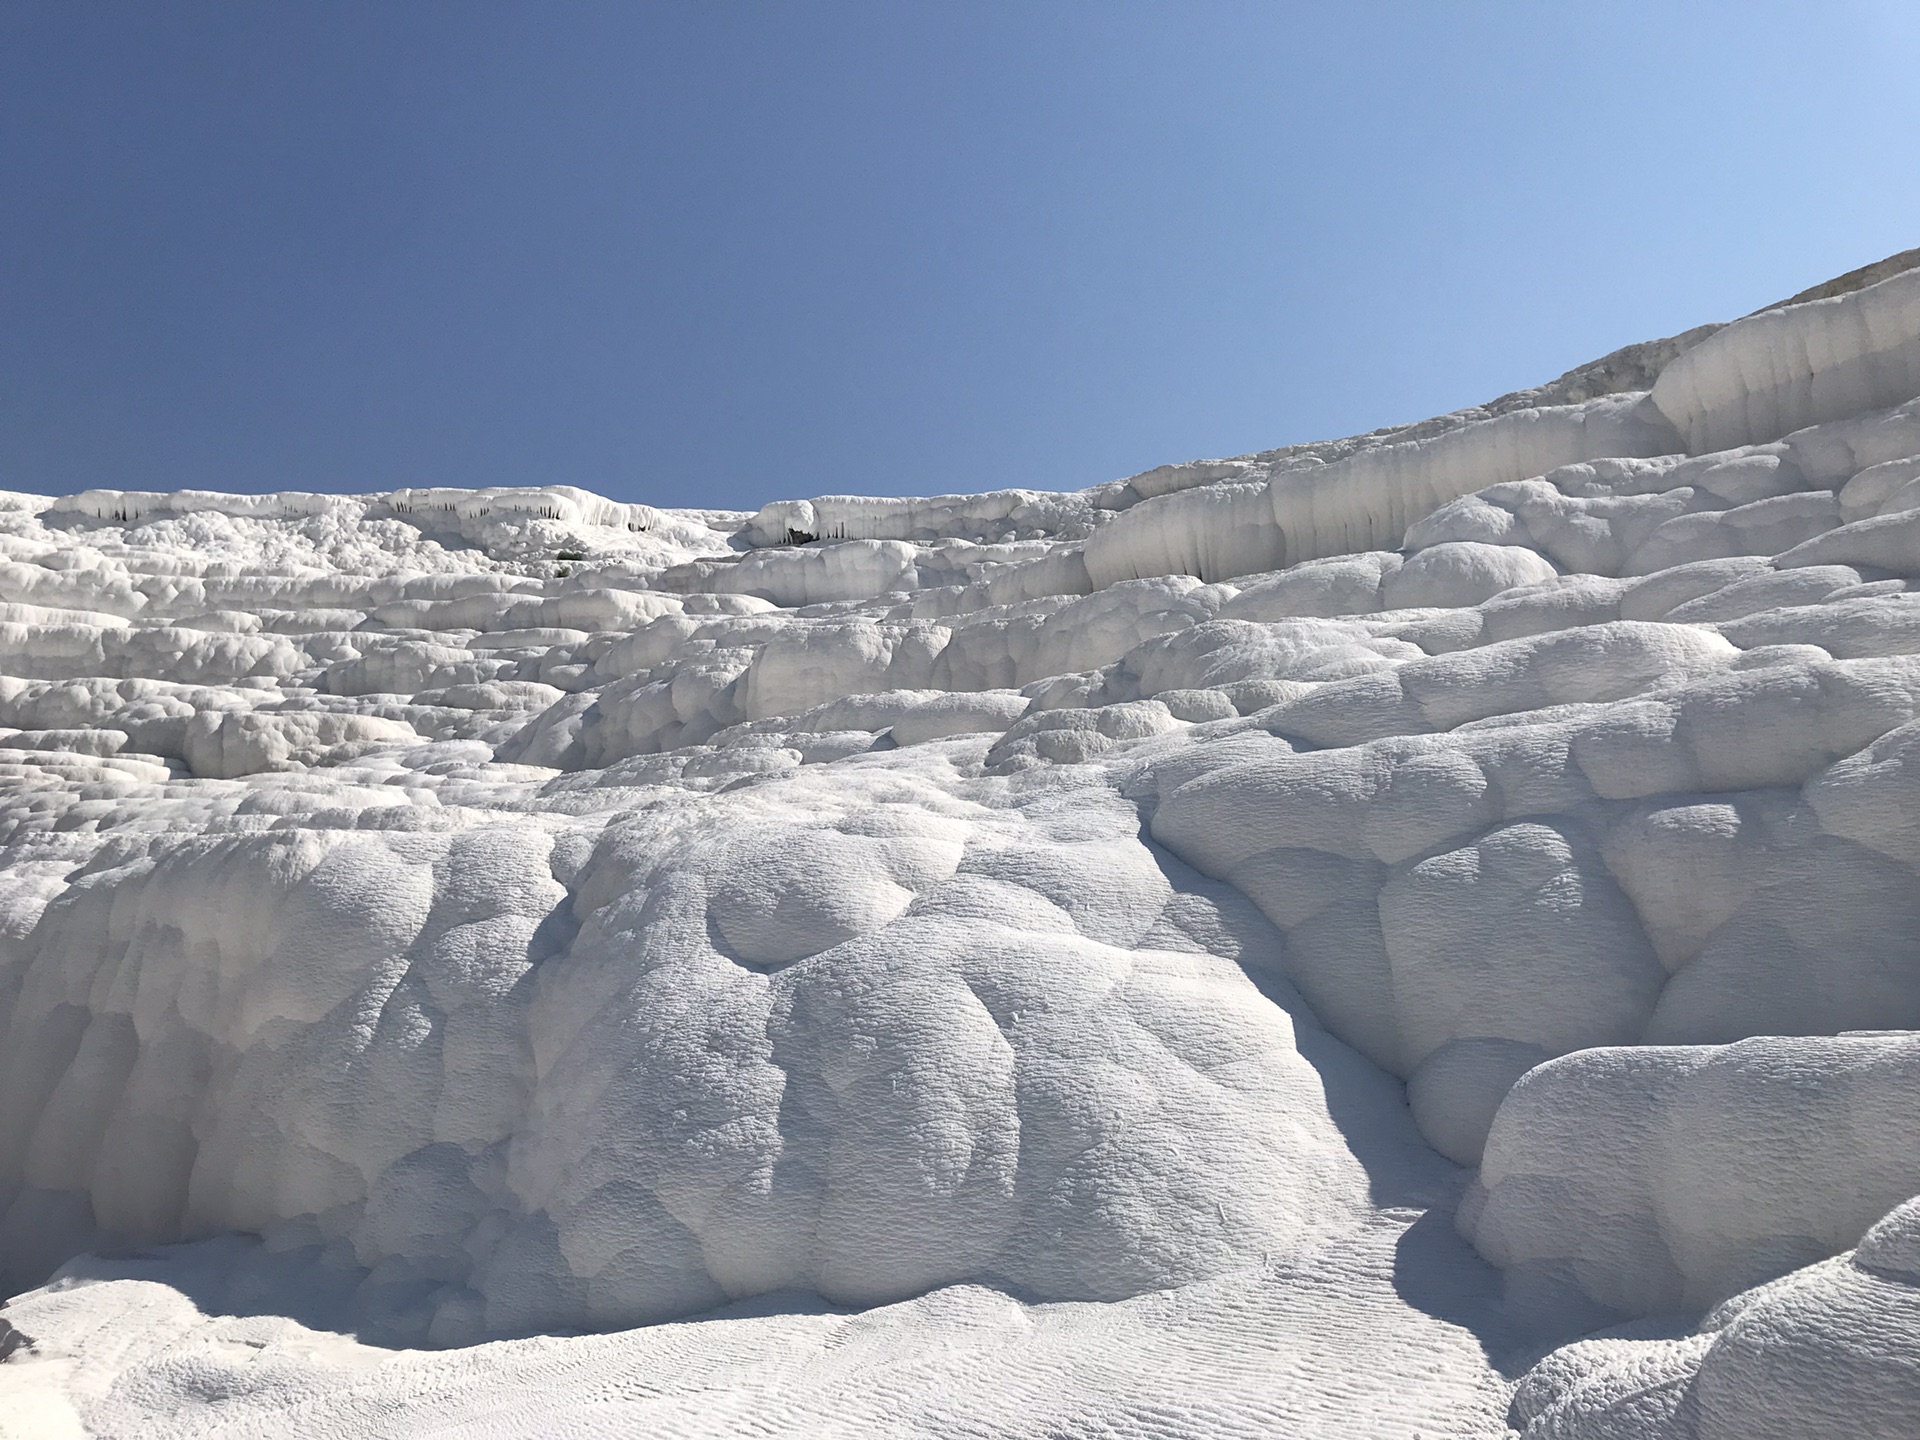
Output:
x,y
1272,945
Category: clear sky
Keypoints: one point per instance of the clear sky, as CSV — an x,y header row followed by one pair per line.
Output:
x,y
716,253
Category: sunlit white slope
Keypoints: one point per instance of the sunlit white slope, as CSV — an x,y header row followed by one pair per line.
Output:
x,y
1273,944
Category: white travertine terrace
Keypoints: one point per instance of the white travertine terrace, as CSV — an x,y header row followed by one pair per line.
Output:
x,y
1412,935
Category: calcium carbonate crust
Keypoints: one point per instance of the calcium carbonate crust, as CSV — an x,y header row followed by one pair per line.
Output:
x,y
1274,945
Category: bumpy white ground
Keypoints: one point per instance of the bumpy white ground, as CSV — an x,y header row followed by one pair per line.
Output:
x,y
1149,961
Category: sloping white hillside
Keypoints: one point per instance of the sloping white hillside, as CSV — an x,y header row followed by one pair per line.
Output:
x,y
1271,946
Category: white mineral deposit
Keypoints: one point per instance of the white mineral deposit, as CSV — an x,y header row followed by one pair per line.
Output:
x,y
1416,935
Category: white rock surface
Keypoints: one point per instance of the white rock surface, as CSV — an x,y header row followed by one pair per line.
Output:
x,y
1016,964
1826,1350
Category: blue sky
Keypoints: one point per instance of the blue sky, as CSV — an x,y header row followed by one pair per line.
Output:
x,y
716,253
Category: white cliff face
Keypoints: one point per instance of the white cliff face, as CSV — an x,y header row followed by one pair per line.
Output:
x,y
1263,945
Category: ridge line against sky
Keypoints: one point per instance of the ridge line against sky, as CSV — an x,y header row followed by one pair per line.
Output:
x,y
711,255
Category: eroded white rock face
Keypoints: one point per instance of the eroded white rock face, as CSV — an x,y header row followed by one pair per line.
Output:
x,y
1658,1180
1825,1350
1097,926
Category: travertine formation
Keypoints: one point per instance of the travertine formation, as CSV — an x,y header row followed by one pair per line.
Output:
x,y
1274,945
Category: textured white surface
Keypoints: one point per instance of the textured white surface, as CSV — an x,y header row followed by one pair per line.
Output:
x,y
1017,964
